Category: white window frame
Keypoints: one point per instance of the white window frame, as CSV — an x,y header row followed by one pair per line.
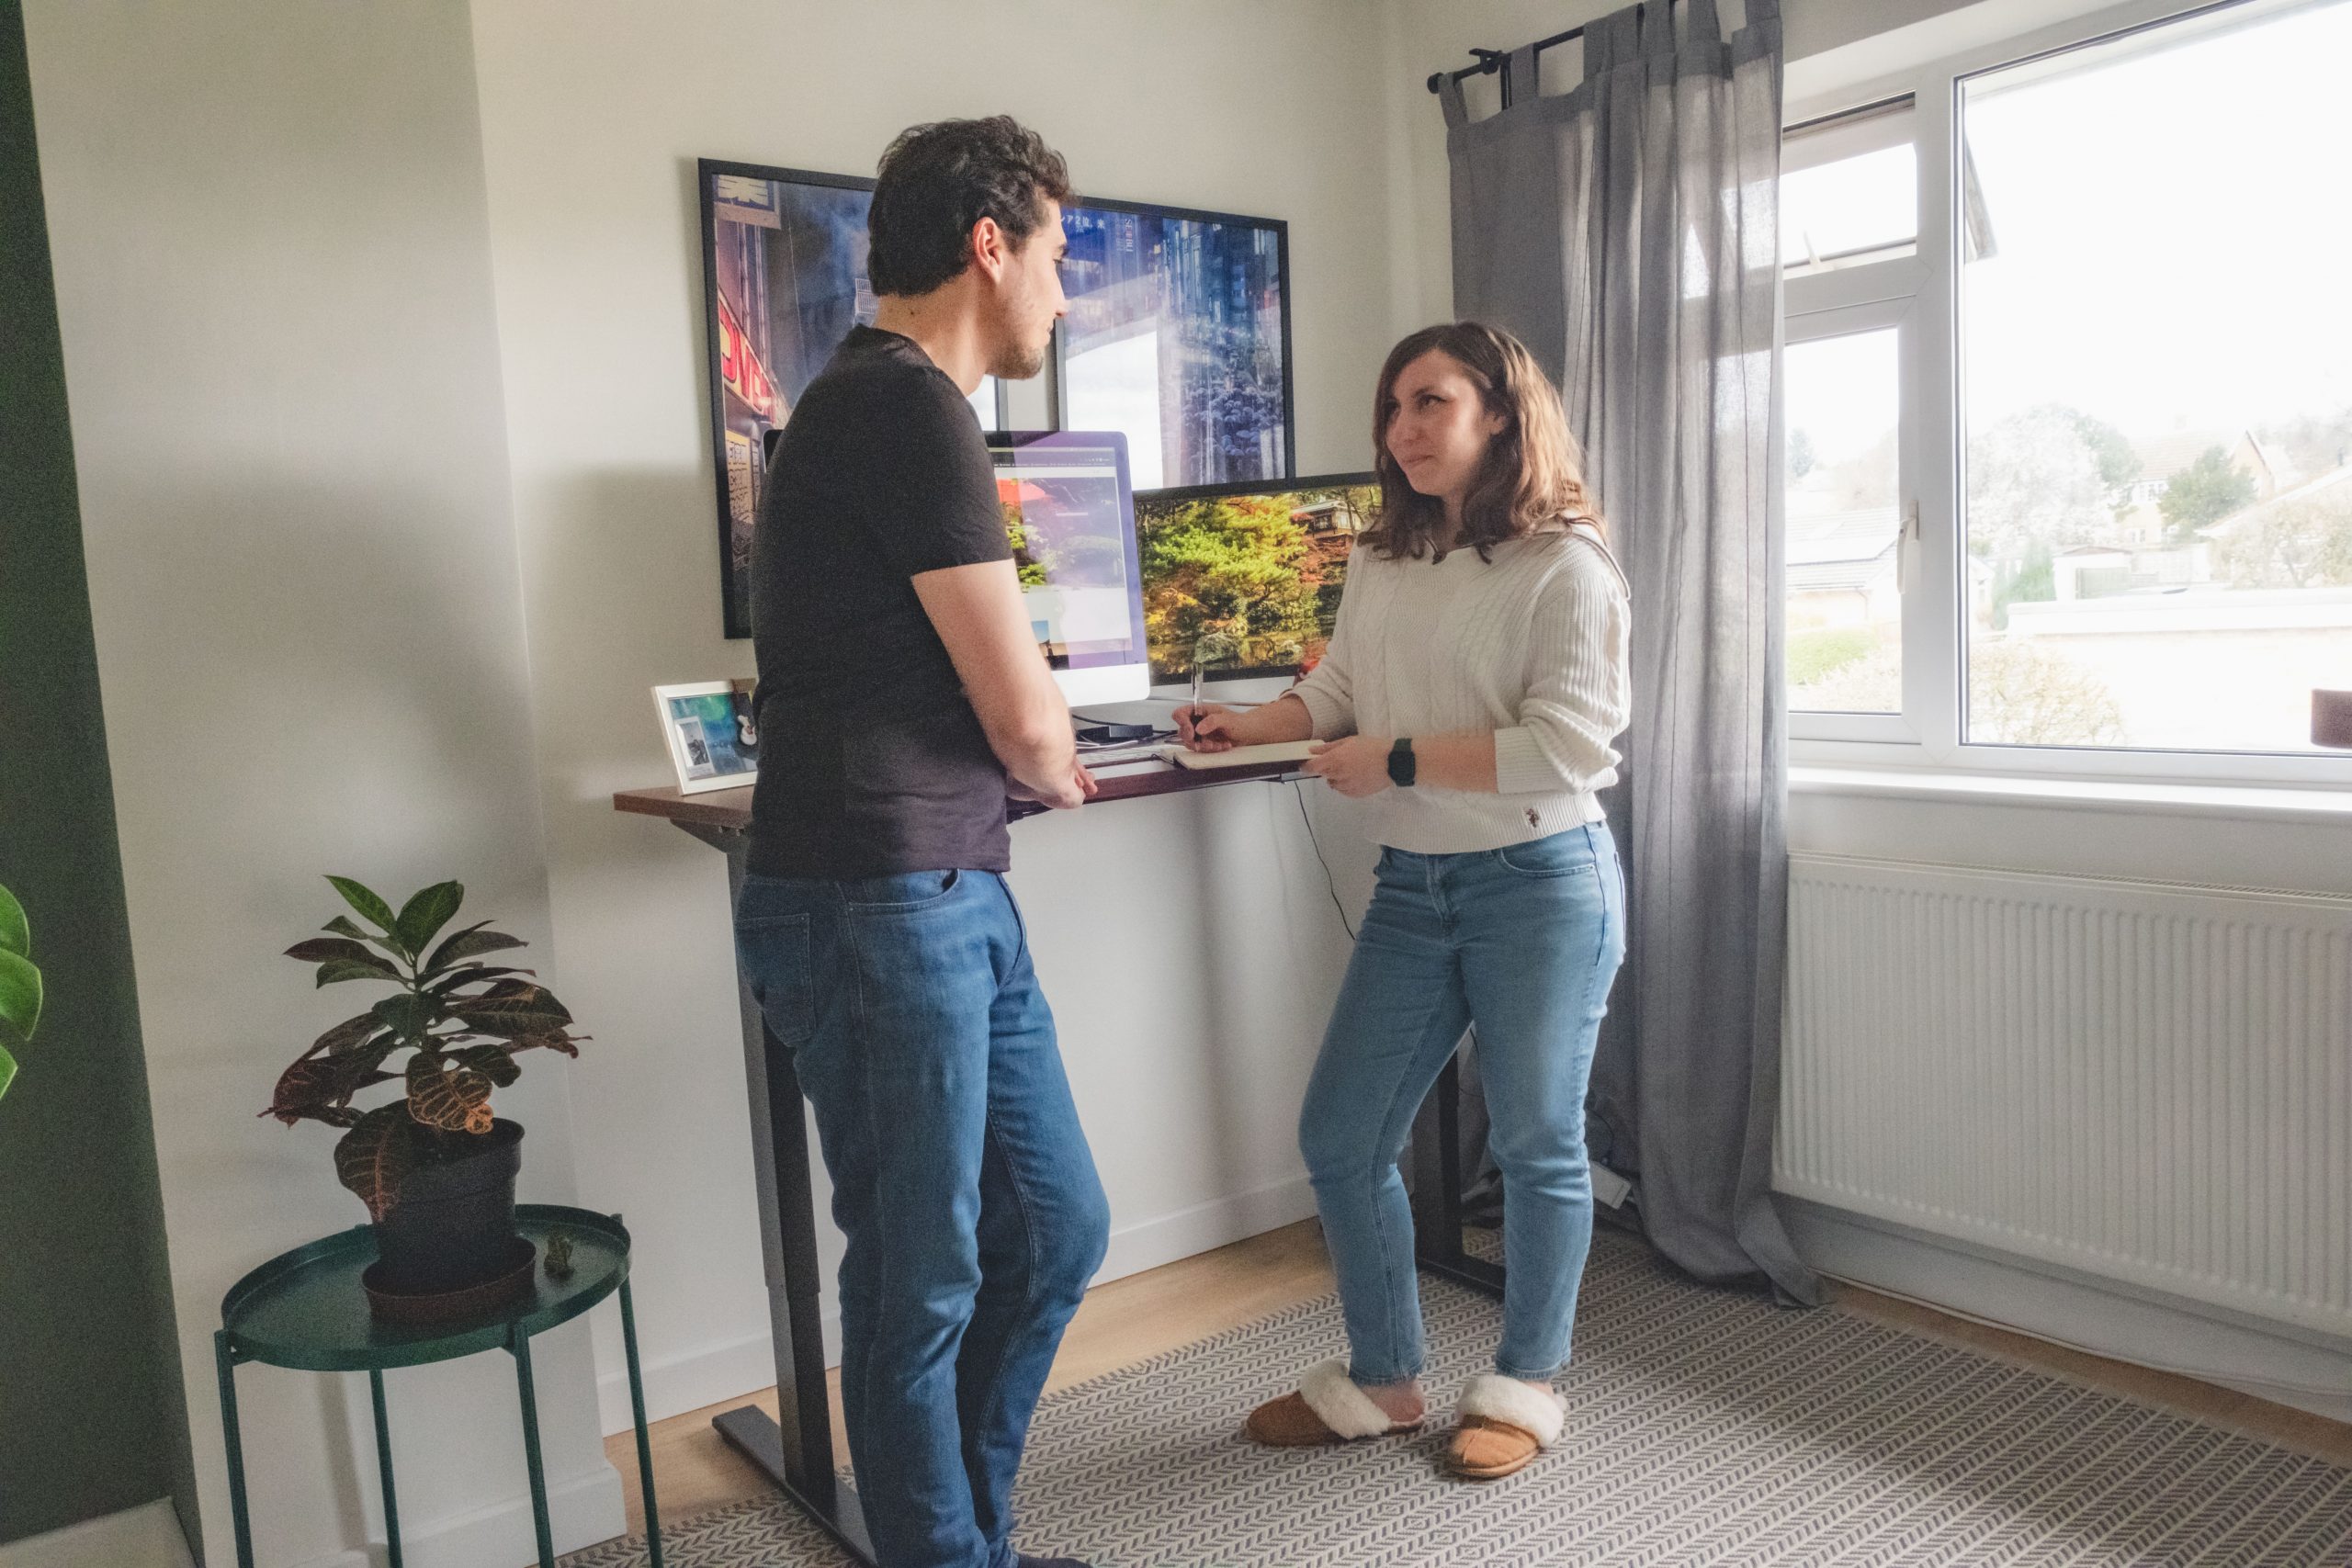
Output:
x,y
1896,314
1928,734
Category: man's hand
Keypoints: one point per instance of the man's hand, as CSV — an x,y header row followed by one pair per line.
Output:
x,y
1356,766
1073,792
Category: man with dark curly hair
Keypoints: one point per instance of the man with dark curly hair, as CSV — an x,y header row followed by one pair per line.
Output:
x,y
902,697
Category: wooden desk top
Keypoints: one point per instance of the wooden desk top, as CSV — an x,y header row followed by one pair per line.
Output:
x,y
730,809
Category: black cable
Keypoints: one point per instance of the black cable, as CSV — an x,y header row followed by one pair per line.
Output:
x,y
1329,882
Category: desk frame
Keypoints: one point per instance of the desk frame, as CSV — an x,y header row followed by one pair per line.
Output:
x,y
797,1454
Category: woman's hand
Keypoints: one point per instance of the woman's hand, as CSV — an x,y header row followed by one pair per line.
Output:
x,y
1208,727
1356,766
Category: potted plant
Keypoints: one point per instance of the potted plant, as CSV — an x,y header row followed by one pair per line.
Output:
x,y
19,986
433,1164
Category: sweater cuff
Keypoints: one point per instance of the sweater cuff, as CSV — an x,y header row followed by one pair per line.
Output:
x,y
1329,716
1520,766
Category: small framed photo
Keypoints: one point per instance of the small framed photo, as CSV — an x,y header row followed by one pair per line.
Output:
x,y
714,739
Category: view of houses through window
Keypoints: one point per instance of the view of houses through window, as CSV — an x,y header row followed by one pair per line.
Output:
x,y
2155,365
2156,349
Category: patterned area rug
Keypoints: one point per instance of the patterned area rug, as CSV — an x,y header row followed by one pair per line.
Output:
x,y
1705,1427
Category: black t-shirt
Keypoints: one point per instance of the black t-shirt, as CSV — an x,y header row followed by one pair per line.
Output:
x,y
872,762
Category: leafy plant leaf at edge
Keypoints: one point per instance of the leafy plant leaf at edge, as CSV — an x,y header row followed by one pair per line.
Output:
x,y
20,996
15,932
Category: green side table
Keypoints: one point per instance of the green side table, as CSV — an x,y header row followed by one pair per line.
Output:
x,y
305,1310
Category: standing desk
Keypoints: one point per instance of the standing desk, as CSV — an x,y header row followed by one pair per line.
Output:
x,y
798,1453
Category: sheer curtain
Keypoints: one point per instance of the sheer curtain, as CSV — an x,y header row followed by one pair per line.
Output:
x,y
1628,232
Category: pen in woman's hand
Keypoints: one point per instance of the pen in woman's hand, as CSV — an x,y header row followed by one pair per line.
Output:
x,y
1196,697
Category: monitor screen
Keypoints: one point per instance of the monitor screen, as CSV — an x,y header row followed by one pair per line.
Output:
x,y
1244,580
1069,514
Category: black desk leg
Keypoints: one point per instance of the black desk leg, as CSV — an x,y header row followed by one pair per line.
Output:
x,y
797,1454
1437,1189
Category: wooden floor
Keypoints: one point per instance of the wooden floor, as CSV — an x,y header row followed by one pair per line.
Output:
x,y
1134,1319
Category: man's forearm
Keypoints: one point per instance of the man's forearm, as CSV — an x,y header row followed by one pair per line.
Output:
x,y
1039,753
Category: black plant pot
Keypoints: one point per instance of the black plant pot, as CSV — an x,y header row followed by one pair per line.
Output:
x,y
453,1228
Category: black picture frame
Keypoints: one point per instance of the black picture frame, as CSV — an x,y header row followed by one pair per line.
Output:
x,y
740,447
735,485
1277,226
1148,499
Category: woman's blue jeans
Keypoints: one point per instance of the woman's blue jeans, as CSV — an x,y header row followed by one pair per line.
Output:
x,y
1523,942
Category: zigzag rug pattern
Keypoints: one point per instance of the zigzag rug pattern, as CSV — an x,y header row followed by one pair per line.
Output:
x,y
1705,1427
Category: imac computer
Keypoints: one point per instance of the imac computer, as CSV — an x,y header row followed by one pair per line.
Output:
x,y
1070,513
1243,580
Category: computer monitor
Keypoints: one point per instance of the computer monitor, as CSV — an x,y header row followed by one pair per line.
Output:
x,y
1070,513
1244,580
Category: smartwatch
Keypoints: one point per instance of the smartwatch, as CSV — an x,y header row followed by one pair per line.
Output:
x,y
1400,763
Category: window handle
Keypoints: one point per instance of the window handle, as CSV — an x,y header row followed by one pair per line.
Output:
x,y
1906,548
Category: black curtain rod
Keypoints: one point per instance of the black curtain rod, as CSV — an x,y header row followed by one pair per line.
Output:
x,y
1493,59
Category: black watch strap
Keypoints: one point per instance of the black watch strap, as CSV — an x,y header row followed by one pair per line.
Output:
x,y
1401,766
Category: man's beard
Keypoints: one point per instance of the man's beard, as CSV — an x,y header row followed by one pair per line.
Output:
x,y
1017,362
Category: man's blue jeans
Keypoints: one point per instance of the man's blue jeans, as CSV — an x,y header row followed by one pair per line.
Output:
x,y
960,1175
1524,943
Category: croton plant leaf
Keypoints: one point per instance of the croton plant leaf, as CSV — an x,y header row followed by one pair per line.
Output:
x,y
492,1062
348,1036
376,1156
427,911
372,908
455,1099
318,1086
470,942
529,1010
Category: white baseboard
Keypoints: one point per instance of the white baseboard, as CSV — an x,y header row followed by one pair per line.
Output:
x,y
2282,1363
1204,1227
581,1512
700,1377
145,1536
739,1366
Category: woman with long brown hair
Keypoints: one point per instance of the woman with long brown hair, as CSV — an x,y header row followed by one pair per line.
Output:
x,y
1474,683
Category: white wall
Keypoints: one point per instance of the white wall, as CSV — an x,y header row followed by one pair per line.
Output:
x,y
273,278
1189,986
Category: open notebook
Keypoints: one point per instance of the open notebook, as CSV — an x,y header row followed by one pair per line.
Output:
x,y
1240,756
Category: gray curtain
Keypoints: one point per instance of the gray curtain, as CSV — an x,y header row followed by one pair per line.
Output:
x,y
1628,232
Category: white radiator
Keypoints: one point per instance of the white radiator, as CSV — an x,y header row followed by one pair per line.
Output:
x,y
2145,1081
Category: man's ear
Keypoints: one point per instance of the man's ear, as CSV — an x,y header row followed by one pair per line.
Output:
x,y
991,250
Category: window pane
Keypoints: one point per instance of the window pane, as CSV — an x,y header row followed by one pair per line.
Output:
x,y
2158,370
1849,191
1844,512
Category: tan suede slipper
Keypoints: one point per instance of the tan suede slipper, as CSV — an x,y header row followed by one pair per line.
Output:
x,y
1504,1424
1328,1408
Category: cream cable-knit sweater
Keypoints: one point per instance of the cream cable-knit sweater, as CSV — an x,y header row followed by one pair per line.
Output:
x,y
1532,645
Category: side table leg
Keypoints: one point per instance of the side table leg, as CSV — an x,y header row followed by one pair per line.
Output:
x,y
520,1344
384,1467
224,1362
644,1438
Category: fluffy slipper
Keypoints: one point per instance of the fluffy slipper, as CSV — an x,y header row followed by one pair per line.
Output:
x,y
1504,1424
1328,1408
